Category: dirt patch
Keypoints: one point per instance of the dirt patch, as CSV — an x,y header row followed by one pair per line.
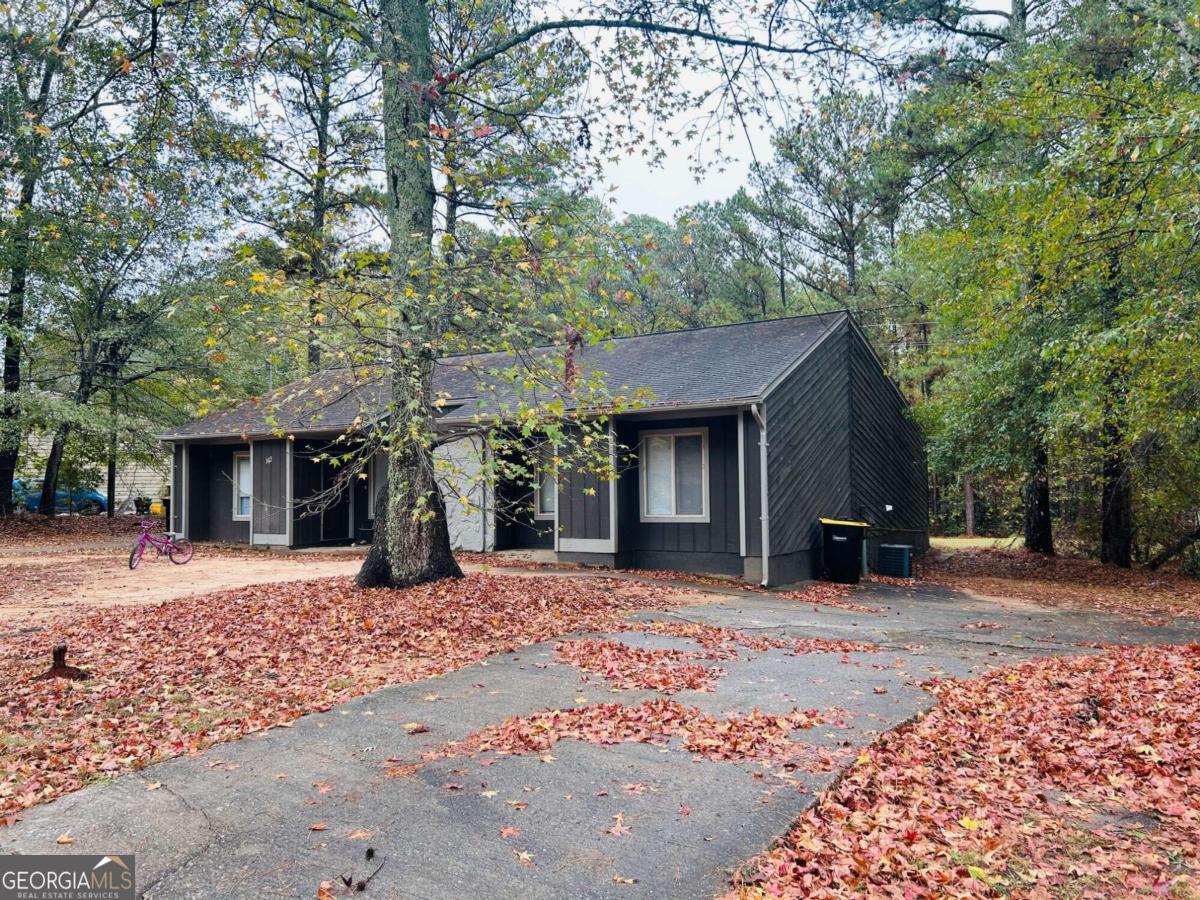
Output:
x,y
34,591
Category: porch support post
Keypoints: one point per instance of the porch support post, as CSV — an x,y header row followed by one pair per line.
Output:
x,y
760,416
251,522
289,490
612,486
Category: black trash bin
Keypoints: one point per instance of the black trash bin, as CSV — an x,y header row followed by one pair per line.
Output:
x,y
842,549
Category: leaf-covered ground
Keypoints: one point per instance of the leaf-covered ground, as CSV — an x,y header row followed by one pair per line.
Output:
x,y
669,670
1070,777
22,582
762,737
65,533
177,677
818,593
757,735
1145,596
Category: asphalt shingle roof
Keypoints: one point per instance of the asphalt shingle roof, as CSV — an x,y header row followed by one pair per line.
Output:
x,y
680,369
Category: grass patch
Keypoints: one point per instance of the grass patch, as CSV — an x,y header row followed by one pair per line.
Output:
x,y
1013,542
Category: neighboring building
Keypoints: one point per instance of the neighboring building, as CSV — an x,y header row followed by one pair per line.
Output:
x,y
134,479
803,400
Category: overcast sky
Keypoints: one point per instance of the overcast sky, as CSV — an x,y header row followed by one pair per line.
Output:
x,y
641,190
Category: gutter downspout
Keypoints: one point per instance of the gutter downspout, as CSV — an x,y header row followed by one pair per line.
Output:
x,y
764,499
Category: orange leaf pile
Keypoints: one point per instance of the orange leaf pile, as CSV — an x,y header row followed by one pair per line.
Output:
x,y
669,671
1058,777
722,642
757,735
629,668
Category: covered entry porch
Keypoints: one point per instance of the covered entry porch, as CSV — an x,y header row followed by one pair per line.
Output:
x,y
266,492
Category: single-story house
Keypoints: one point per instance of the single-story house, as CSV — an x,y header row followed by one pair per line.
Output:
x,y
751,432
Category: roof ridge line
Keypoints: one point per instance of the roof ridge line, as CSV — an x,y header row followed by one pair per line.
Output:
x,y
649,334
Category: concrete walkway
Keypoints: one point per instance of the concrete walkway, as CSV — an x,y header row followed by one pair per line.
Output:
x,y
238,820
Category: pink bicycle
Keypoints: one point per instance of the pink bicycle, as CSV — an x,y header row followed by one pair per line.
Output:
x,y
178,550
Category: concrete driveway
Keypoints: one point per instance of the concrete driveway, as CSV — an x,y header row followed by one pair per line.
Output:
x,y
238,820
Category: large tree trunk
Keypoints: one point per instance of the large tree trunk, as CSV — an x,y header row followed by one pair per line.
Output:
x,y
14,326
320,211
28,150
1116,484
83,396
409,548
412,542
1035,494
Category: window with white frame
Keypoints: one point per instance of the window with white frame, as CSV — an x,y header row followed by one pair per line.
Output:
x,y
674,475
546,495
242,483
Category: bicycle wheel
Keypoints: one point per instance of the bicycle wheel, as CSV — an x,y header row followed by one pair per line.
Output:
x,y
135,555
180,551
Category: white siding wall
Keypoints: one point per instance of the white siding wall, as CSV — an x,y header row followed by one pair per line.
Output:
x,y
473,526
133,479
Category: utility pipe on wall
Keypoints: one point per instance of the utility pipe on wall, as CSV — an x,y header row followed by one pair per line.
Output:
x,y
765,507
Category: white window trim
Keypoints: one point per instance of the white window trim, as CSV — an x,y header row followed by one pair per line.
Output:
x,y
242,454
704,517
541,474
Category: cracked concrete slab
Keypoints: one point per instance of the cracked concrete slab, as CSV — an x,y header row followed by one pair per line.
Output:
x,y
238,820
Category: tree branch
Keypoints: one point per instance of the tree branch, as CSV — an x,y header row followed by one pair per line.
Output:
x,y
633,24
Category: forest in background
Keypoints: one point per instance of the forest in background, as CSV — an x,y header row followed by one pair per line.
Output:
x,y
1007,200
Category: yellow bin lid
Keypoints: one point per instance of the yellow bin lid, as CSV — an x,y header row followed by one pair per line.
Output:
x,y
844,522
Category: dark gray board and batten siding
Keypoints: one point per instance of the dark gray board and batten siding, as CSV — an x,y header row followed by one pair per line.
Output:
x,y
887,462
584,507
712,546
842,444
808,461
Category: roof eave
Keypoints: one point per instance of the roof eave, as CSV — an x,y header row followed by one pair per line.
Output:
x,y
685,406
258,435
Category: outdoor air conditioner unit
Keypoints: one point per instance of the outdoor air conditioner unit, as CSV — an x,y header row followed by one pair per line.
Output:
x,y
895,560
